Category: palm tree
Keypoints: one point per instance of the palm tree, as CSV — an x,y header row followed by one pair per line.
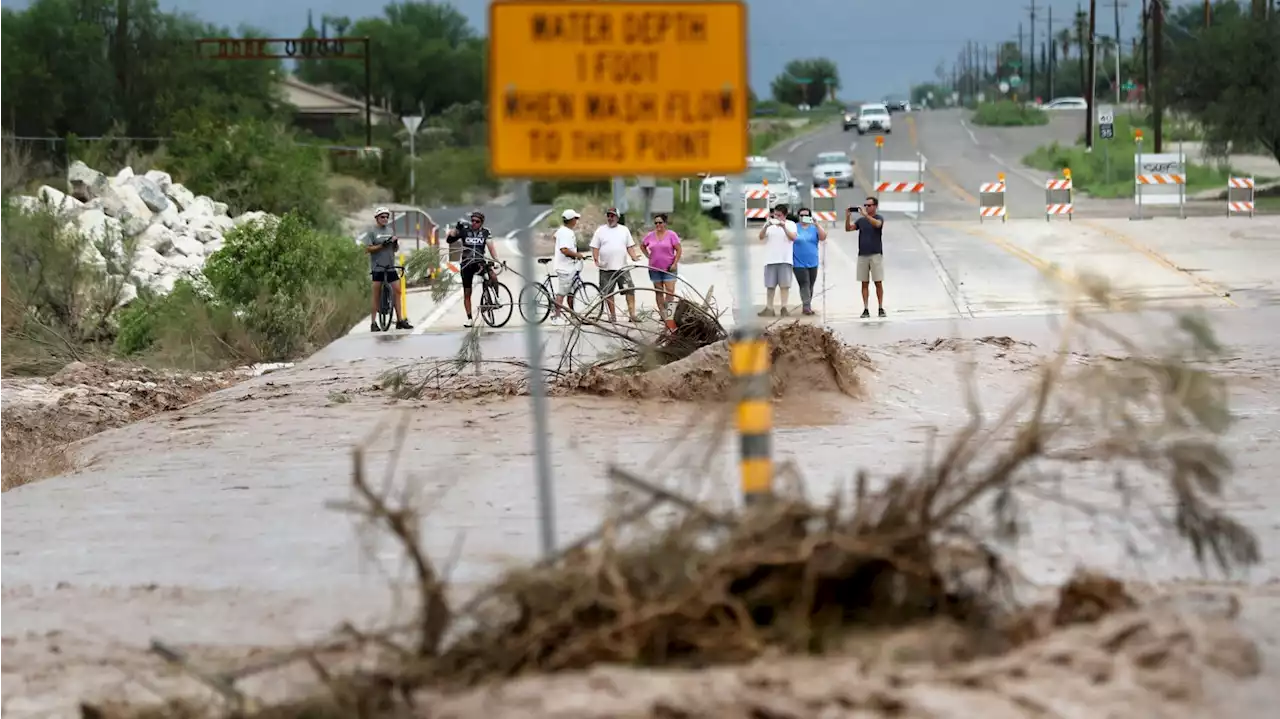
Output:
x,y
1064,39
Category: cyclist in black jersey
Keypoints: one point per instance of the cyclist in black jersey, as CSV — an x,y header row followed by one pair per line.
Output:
x,y
475,238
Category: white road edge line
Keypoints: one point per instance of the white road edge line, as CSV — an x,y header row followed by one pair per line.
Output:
x,y
796,145
853,146
972,136
948,286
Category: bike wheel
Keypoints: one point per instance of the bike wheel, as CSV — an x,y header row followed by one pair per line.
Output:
x,y
587,302
385,311
495,304
541,303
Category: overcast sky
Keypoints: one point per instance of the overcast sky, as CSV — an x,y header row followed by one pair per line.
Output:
x,y
880,46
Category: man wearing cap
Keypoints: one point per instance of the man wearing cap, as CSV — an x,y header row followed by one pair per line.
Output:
x,y
564,261
611,244
381,244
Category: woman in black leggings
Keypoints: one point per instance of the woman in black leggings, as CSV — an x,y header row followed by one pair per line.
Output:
x,y
805,257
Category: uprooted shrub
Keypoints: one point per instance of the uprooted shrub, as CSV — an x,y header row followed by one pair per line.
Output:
x,y
61,289
708,585
277,289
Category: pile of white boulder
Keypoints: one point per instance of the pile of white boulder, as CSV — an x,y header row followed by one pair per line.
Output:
x,y
173,229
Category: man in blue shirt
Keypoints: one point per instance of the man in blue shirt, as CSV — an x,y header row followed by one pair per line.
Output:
x,y
870,226
804,261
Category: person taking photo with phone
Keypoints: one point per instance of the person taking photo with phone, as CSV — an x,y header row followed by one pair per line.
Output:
x,y
870,227
778,234
805,256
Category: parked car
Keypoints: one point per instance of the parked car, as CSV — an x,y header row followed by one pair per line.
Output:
x,y
1067,103
709,193
833,165
783,188
874,118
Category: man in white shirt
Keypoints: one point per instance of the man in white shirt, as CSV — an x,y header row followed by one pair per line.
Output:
x,y
565,260
777,235
611,245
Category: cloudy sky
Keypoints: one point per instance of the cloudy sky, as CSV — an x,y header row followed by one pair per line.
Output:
x,y
880,46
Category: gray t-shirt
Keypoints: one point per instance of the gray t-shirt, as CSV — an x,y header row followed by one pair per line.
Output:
x,y
385,258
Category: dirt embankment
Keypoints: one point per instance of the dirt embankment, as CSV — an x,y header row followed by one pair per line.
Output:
x,y
42,416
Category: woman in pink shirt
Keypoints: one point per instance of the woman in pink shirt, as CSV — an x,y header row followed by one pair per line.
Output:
x,y
662,247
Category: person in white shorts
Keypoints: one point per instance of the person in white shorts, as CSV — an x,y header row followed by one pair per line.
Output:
x,y
870,227
565,260
778,234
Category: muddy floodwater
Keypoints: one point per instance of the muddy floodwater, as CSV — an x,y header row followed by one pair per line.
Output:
x,y
208,526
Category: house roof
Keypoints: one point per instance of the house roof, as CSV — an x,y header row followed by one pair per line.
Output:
x,y
316,100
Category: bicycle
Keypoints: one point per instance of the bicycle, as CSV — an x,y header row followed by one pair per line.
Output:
x,y
491,294
586,296
386,310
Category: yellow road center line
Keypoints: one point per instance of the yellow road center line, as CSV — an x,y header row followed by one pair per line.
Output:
x,y
1201,283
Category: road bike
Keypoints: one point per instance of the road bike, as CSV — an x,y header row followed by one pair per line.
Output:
x,y
586,296
386,306
495,297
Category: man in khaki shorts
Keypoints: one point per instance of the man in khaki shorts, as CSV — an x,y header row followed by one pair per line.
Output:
x,y
870,226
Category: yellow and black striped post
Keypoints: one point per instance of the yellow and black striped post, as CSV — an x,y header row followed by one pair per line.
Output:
x,y
749,363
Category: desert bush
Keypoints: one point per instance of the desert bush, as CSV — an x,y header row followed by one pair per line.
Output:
x,y
351,194
60,289
451,175
276,290
1008,114
252,165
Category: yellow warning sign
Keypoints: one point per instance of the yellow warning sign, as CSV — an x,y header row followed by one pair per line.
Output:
x,y
617,88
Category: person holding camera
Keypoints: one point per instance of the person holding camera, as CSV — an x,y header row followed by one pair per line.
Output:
x,y
381,245
778,234
870,226
805,256
474,239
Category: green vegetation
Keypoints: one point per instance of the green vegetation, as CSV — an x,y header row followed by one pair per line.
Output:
x,y
1008,114
275,291
1089,170
810,82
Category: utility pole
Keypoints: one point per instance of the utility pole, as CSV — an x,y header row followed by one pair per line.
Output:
x,y
1022,54
1093,76
1032,86
122,58
1146,65
1053,55
1157,62
1208,14
1115,11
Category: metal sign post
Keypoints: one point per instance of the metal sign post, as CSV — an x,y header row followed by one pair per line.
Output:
x,y
411,123
1106,131
565,116
1137,189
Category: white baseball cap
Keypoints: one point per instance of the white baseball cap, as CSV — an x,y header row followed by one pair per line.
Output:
x,y
570,215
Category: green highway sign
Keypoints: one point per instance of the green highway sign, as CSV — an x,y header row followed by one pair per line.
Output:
x,y
1015,81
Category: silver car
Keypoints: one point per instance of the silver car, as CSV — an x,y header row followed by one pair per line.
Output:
x,y
833,165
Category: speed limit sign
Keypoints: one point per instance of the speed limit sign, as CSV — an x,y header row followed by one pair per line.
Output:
x,y
1106,116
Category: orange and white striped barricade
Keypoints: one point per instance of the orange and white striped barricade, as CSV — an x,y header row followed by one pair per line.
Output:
x,y
991,200
1240,196
1159,180
824,202
1059,197
906,191
757,203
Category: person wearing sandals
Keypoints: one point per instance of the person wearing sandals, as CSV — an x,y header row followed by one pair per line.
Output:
x,y
662,247
611,246
778,235
805,256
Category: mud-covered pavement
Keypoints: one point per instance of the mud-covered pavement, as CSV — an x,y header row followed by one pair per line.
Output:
x,y
208,526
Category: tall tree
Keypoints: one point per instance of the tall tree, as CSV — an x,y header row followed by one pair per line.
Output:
x,y
1081,28
425,58
807,82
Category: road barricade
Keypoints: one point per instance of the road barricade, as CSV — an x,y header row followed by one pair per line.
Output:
x,y
991,200
910,181
1240,196
824,202
1159,180
757,203
1059,197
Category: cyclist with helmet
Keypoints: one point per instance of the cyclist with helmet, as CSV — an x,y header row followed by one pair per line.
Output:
x,y
474,239
381,246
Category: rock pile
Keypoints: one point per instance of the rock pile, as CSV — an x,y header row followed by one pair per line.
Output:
x,y
174,230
